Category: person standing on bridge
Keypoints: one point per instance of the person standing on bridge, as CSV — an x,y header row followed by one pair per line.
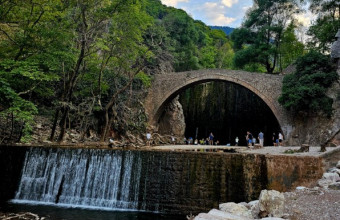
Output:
x,y
211,138
280,139
249,138
261,138
275,140
148,138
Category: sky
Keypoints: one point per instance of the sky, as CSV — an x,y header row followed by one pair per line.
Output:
x,y
221,12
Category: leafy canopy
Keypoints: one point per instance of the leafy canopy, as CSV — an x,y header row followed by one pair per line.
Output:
x,y
305,90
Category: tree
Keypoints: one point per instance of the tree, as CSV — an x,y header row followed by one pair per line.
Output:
x,y
264,26
130,54
327,24
32,47
290,48
305,90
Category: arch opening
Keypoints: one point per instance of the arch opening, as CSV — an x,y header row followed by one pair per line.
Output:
x,y
225,108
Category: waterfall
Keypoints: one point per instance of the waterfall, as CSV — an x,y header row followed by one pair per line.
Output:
x,y
90,178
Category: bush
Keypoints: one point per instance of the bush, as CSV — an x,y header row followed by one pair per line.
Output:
x,y
305,90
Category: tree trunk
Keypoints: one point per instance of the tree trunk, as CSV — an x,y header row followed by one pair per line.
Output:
x,y
63,125
108,118
55,121
75,74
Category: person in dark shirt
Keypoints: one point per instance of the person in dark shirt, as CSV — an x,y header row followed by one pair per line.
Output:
x,y
275,139
249,138
211,138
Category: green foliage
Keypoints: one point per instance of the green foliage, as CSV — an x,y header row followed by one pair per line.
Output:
x,y
323,30
290,48
259,38
305,90
182,43
144,78
75,57
13,106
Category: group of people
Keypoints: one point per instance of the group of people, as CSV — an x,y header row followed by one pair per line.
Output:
x,y
277,139
208,141
251,140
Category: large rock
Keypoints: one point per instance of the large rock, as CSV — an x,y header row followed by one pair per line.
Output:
x,y
272,218
338,165
271,203
254,208
334,170
173,122
334,177
205,216
215,214
324,183
236,209
335,186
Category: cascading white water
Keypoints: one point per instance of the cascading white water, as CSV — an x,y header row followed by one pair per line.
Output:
x,y
81,178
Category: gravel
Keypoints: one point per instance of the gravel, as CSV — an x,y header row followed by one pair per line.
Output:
x,y
313,204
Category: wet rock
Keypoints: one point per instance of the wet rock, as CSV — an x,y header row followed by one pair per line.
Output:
x,y
271,203
236,209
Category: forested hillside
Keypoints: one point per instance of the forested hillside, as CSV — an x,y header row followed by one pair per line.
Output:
x,y
85,65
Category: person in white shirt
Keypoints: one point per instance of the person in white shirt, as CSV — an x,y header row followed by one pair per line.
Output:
x,y
280,138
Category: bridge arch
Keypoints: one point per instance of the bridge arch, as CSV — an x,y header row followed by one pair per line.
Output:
x,y
166,87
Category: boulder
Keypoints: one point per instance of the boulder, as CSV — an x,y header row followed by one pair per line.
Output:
x,y
226,215
338,164
254,208
300,188
334,170
173,121
215,214
245,204
324,183
236,209
271,203
205,216
272,218
334,186
334,177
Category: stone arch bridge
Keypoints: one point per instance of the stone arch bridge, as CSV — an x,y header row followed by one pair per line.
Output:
x,y
165,87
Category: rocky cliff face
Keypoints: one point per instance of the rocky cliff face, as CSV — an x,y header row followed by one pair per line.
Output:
x,y
172,120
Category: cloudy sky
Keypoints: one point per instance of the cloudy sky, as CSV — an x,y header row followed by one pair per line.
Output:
x,y
214,12
220,12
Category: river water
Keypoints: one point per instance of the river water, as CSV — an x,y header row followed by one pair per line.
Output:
x,y
68,213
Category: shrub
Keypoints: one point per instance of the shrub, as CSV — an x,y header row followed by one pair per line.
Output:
x,y
305,90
